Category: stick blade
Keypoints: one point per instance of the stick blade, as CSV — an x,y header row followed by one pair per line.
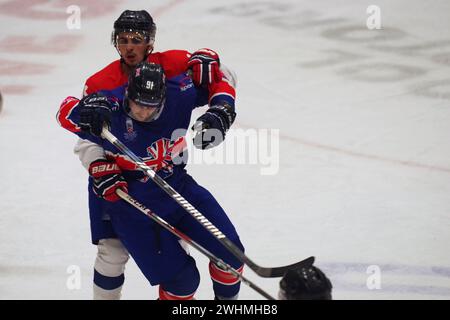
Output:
x,y
280,271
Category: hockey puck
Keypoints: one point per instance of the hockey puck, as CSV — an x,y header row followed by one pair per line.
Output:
x,y
1,102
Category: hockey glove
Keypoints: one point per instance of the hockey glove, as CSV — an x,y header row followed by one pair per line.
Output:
x,y
95,111
211,127
204,65
107,179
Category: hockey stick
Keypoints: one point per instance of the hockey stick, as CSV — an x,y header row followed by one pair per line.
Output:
x,y
220,263
261,271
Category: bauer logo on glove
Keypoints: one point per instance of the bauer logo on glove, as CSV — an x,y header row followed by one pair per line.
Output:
x,y
107,179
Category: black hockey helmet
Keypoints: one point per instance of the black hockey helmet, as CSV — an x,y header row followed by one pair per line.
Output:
x,y
139,21
308,283
147,87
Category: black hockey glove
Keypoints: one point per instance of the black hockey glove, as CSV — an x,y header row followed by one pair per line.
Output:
x,y
95,111
211,127
107,179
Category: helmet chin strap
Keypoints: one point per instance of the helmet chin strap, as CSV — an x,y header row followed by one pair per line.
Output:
x,y
149,52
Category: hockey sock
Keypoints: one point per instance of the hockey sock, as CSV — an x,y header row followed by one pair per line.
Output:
x,y
167,295
107,288
226,285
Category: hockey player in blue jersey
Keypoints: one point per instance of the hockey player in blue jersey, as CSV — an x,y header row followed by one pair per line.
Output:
x,y
151,112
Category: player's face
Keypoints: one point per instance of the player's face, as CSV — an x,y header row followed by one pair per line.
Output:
x,y
132,47
141,113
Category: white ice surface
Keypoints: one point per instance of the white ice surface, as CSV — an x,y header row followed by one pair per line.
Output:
x,y
364,153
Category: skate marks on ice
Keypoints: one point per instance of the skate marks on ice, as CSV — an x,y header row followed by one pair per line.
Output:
x,y
372,157
395,279
368,55
23,270
354,154
389,56
435,89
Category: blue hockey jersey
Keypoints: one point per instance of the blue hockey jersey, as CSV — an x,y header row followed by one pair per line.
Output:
x,y
160,143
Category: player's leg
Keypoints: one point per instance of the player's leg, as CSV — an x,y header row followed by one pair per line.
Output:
x,y
183,285
109,269
157,253
111,257
226,285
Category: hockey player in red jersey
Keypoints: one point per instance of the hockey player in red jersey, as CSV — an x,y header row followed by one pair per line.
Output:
x,y
133,37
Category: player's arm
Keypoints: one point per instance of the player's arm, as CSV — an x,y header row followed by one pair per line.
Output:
x,y
95,113
211,127
105,172
204,67
86,116
86,150
67,117
205,70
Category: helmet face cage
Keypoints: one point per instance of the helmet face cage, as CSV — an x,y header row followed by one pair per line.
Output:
x,y
149,36
146,87
155,115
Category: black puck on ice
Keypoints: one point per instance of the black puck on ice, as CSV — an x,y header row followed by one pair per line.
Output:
x,y
1,102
